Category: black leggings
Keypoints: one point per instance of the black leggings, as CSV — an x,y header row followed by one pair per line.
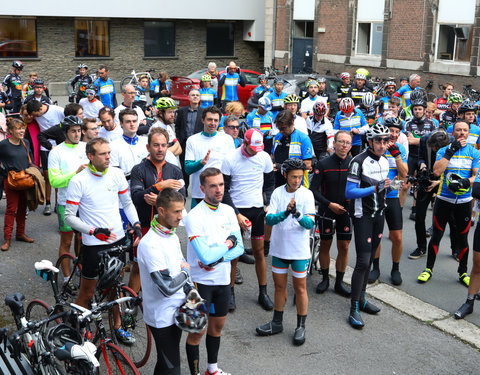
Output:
x,y
462,213
368,234
167,341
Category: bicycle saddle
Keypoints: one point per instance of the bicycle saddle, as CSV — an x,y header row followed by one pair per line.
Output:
x,y
45,265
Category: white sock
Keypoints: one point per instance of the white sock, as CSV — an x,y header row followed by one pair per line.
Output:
x,y
65,279
212,367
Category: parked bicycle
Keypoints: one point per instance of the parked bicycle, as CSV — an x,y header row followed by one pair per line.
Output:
x,y
471,94
133,78
315,242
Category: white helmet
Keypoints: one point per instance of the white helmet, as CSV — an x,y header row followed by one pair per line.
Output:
x,y
378,130
368,99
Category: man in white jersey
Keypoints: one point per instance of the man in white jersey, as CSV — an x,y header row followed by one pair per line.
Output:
x,y
91,105
291,104
248,172
65,161
291,213
206,150
128,94
109,130
95,193
214,240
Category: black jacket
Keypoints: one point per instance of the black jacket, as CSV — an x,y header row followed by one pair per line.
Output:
x,y
143,178
54,133
181,124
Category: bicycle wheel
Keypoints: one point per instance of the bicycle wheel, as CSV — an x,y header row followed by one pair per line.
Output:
x,y
68,86
128,80
114,361
132,321
37,310
68,266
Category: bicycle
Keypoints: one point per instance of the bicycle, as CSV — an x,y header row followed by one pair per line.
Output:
x,y
315,242
470,93
133,78
74,90
428,95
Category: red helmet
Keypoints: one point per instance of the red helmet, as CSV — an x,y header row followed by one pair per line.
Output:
x,y
347,105
319,108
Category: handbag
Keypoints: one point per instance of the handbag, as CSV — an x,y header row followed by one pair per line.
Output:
x,y
20,180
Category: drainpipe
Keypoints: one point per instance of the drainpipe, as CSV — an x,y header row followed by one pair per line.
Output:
x,y
274,34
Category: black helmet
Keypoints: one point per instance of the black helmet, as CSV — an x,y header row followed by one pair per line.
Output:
x,y
69,121
61,334
403,78
418,102
110,270
393,122
82,65
466,106
416,95
293,164
91,89
38,82
262,77
17,64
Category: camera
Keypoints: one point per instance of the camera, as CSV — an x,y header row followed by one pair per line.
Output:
x,y
422,180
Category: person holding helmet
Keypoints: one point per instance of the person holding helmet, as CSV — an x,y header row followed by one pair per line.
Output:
x,y
457,166
320,131
263,88
351,119
390,88
369,107
291,104
165,278
467,113
342,90
38,93
291,213
398,168
80,83
449,117
277,96
306,108
166,108
91,105
367,184
12,85
358,90
405,91
262,119
65,161
208,96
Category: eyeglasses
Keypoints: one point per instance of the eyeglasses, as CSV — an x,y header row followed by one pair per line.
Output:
x,y
344,143
131,92
233,127
381,139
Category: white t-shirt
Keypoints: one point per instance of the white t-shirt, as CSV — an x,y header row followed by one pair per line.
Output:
x,y
215,226
220,144
111,135
97,200
157,252
171,133
91,109
121,107
246,188
289,239
300,124
52,117
66,159
308,103
126,156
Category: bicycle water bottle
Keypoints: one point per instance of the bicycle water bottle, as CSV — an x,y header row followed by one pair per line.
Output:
x,y
247,234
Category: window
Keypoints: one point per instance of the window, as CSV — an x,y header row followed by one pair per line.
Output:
x,y
220,39
159,39
454,42
91,38
369,38
251,78
303,29
18,37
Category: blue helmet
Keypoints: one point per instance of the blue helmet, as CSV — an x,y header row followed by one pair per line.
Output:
x,y
265,103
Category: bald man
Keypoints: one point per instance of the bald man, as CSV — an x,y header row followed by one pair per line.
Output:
x,y
229,82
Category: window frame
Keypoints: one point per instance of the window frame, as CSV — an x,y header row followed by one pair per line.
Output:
x,y
35,55
108,55
455,43
174,39
370,38
232,24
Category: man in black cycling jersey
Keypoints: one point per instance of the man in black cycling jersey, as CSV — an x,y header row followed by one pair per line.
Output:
x,y
320,131
328,187
342,91
12,84
358,90
367,185
38,93
449,117
82,79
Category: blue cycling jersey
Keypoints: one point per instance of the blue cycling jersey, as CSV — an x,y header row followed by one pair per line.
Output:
x,y
229,88
259,89
106,90
277,101
155,87
404,93
356,121
262,123
207,97
392,165
474,136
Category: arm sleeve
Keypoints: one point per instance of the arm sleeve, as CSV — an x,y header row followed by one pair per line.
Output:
x,y
317,182
192,166
57,179
476,190
221,81
168,285
305,222
236,251
208,254
354,191
268,185
241,81
128,206
115,105
363,124
330,135
73,221
272,219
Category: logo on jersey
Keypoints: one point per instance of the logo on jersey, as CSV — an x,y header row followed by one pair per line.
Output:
x,y
354,169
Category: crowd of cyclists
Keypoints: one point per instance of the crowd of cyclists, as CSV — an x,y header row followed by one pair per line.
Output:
x,y
121,174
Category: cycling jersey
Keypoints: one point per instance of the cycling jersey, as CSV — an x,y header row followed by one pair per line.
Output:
x,y
140,97
383,103
83,82
300,124
229,83
393,172
91,108
106,91
448,118
63,162
404,93
172,138
110,135
462,163
155,89
442,104
473,137
4,99
406,113
308,103
13,83
355,121
370,113
342,91
321,133
136,108
43,99
357,94
277,102
207,97
27,89
260,91
208,228
418,127
263,123
127,152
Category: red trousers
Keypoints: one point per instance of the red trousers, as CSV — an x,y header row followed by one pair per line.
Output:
x,y
16,209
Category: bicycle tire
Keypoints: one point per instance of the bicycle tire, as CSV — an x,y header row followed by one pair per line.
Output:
x,y
65,291
132,80
431,97
37,310
113,361
68,86
134,323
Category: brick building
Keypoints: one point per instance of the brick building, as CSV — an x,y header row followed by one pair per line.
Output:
x,y
439,39
178,37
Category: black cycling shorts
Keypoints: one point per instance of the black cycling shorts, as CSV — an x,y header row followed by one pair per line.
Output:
x,y
476,239
343,226
217,298
257,216
90,260
412,165
393,214
44,159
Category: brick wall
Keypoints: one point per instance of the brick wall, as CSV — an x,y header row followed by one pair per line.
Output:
x,y
56,50
332,15
283,31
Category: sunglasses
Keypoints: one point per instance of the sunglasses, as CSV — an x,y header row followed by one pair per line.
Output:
x,y
381,139
233,127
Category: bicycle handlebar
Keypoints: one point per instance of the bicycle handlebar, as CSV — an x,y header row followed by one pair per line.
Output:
x,y
106,306
115,250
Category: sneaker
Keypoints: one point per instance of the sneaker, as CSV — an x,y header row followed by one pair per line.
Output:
x,y
373,276
355,319
238,277
70,288
342,290
429,232
218,372
368,307
124,337
396,277
425,276
269,329
47,211
417,253
299,336
464,310
464,279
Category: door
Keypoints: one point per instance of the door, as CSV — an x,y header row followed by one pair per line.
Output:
x,y
302,56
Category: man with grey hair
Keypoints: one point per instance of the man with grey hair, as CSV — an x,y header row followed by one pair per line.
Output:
x,y
128,95
232,127
405,91
212,70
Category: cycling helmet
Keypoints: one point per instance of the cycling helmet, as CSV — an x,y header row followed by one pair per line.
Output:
x,y
403,78
90,89
277,80
368,99
69,121
17,64
265,103
344,75
390,83
363,71
206,78
292,98
191,320
416,95
453,184
61,334
393,122
321,80
311,82
361,76
39,82
262,77
82,65
466,106
455,97
110,270
347,105
319,109
166,103
378,130
293,164
418,102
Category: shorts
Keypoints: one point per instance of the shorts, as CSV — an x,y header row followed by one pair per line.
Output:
x,y
90,260
257,216
412,165
476,239
393,214
343,226
299,266
62,225
44,159
217,298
